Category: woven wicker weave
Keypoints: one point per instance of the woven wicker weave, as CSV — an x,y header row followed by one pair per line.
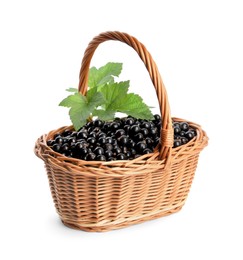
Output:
x,y
100,196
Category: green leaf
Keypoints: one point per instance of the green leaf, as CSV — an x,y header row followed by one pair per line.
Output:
x,y
78,116
75,90
79,109
132,104
103,75
75,99
114,92
94,98
104,114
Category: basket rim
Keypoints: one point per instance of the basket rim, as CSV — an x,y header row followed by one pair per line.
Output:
x,y
43,151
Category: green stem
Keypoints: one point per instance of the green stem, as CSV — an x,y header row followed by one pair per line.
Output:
x,y
90,118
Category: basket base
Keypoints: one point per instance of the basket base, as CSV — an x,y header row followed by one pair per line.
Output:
x,y
102,227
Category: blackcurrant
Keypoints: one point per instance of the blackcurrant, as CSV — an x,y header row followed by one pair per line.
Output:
x,y
82,135
117,150
99,150
141,146
129,121
91,140
50,142
184,140
146,151
153,131
138,137
108,140
101,157
134,129
190,134
102,140
184,126
149,141
59,140
114,126
119,133
108,153
98,123
123,140
56,147
177,143
144,131
157,117
90,157
121,156
65,147
177,130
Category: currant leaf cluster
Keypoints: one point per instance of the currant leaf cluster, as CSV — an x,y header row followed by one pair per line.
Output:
x,y
104,98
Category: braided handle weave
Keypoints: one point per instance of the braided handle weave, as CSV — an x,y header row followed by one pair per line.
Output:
x,y
166,126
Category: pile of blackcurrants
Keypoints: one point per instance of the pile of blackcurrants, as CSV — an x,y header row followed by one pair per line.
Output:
x,y
121,139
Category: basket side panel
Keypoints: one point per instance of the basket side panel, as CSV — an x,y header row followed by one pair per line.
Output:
x,y
52,184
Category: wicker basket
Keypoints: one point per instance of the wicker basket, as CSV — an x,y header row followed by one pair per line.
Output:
x,y
101,196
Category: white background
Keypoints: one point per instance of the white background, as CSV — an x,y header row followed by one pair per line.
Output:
x,y
198,47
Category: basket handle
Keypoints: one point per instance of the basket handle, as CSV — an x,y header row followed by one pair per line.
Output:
x,y
166,124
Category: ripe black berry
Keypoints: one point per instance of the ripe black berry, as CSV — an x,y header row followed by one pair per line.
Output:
x,y
83,151
157,117
177,130
131,143
58,140
141,146
50,142
138,137
134,129
128,154
92,134
117,150
182,133
190,134
108,153
123,140
56,147
119,133
82,135
109,140
177,143
129,121
98,123
144,131
184,126
184,140
133,151
176,124
91,140
66,133
65,147
121,156
99,150
149,141
101,157
153,131
102,140
90,157
114,126
101,134
147,150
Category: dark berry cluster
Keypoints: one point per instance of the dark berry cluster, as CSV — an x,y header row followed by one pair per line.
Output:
x,y
183,133
122,139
